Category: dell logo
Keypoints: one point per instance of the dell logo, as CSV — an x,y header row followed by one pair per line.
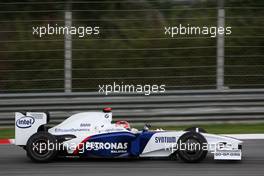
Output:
x,y
25,122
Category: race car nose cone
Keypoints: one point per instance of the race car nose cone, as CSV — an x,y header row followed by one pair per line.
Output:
x,y
106,110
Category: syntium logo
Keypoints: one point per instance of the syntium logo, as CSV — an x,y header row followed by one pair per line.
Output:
x,y
165,139
106,146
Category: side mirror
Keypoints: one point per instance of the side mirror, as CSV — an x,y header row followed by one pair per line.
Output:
x,y
146,127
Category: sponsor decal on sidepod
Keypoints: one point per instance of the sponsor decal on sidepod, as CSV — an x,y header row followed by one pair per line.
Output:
x,y
25,122
106,146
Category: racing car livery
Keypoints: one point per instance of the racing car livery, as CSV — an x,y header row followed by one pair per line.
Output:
x,y
93,135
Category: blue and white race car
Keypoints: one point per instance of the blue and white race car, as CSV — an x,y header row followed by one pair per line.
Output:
x,y
93,135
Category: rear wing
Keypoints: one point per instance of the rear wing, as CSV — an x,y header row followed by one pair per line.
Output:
x,y
28,123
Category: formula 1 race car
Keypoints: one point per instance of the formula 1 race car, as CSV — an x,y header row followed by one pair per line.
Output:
x,y
92,135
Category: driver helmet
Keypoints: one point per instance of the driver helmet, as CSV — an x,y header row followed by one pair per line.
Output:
x,y
123,123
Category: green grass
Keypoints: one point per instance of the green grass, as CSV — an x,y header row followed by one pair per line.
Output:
x,y
7,133
223,128
210,128
220,128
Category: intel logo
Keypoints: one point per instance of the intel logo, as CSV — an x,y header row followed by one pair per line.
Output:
x,y
25,122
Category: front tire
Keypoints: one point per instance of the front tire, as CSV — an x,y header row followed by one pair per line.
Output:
x,y
196,129
191,147
41,147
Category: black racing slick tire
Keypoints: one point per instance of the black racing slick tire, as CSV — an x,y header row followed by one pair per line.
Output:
x,y
41,147
196,129
192,147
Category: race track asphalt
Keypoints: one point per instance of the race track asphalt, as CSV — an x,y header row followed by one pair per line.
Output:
x,y
13,161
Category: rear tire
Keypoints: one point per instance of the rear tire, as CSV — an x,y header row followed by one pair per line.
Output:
x,y
41,147
189,154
